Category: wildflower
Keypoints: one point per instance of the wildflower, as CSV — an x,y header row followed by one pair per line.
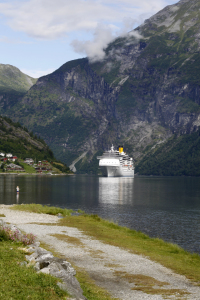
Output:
x,y
16,236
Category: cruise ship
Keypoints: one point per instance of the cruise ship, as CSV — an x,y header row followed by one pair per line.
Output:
x,y
116,163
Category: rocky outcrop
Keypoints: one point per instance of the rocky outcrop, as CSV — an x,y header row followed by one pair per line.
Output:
x,y
44,262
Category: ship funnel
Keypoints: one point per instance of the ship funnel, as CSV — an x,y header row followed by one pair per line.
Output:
x,y
120,149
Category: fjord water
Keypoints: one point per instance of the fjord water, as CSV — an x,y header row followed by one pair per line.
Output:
x,y
165,207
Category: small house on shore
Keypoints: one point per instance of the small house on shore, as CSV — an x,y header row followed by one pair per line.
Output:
x,y
29,161
13,167
13,158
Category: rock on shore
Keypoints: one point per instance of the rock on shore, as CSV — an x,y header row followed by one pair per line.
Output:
x,y
44,261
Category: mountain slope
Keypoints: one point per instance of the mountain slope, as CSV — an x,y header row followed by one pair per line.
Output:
x,y
13,86
144,91
177,156
20,142
11,78
64,108
16,139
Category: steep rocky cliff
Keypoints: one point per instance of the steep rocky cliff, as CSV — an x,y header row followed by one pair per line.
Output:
x,y
146,89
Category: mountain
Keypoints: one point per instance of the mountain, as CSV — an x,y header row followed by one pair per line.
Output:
x,y
20,142
179,155
11,78
143,94
13,85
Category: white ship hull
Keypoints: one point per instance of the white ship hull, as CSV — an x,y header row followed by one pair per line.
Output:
x,y
115,163
111,171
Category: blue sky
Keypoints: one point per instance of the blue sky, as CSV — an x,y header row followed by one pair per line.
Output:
x,y
38,36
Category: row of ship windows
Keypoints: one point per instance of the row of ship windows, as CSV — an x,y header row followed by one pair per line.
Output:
x,y
116,162
121,163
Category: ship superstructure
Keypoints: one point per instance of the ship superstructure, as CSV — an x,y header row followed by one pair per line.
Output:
x,y
116,163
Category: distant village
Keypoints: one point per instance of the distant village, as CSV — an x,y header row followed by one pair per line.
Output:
x,y
7,163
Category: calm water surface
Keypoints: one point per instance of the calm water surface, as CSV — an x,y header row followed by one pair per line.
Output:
x,y
165,207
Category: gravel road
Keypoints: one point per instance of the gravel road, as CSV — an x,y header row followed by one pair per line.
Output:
x,y
106,264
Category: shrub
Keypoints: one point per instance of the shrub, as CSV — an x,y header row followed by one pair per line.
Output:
x,y
16,236
3,236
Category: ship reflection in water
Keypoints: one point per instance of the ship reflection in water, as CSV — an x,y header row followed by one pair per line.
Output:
x,y
116,190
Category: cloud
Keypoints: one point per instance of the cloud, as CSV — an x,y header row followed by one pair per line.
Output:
x,y
50,19
103,35
37,73
102,19
95,49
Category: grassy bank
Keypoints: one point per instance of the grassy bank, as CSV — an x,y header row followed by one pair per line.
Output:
x,y
43,209
27,168
21,282
169,255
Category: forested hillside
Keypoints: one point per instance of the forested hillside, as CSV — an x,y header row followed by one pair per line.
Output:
x,y
18,141
178,156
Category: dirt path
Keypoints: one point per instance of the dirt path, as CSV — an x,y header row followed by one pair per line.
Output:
x,y
125,275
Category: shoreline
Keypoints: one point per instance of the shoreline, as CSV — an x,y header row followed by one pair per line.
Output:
x,y
110,260
36,174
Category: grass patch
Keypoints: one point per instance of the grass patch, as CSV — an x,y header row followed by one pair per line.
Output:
x,y
69,239
2,215
27,168
149,285
139,279
3,236
43,209
96,254
19,282
80,211
163,292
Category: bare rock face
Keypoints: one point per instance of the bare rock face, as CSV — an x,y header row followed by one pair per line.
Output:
x,y
43,261
146,89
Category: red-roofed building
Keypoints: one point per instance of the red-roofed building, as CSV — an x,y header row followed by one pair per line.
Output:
x,y
13,158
